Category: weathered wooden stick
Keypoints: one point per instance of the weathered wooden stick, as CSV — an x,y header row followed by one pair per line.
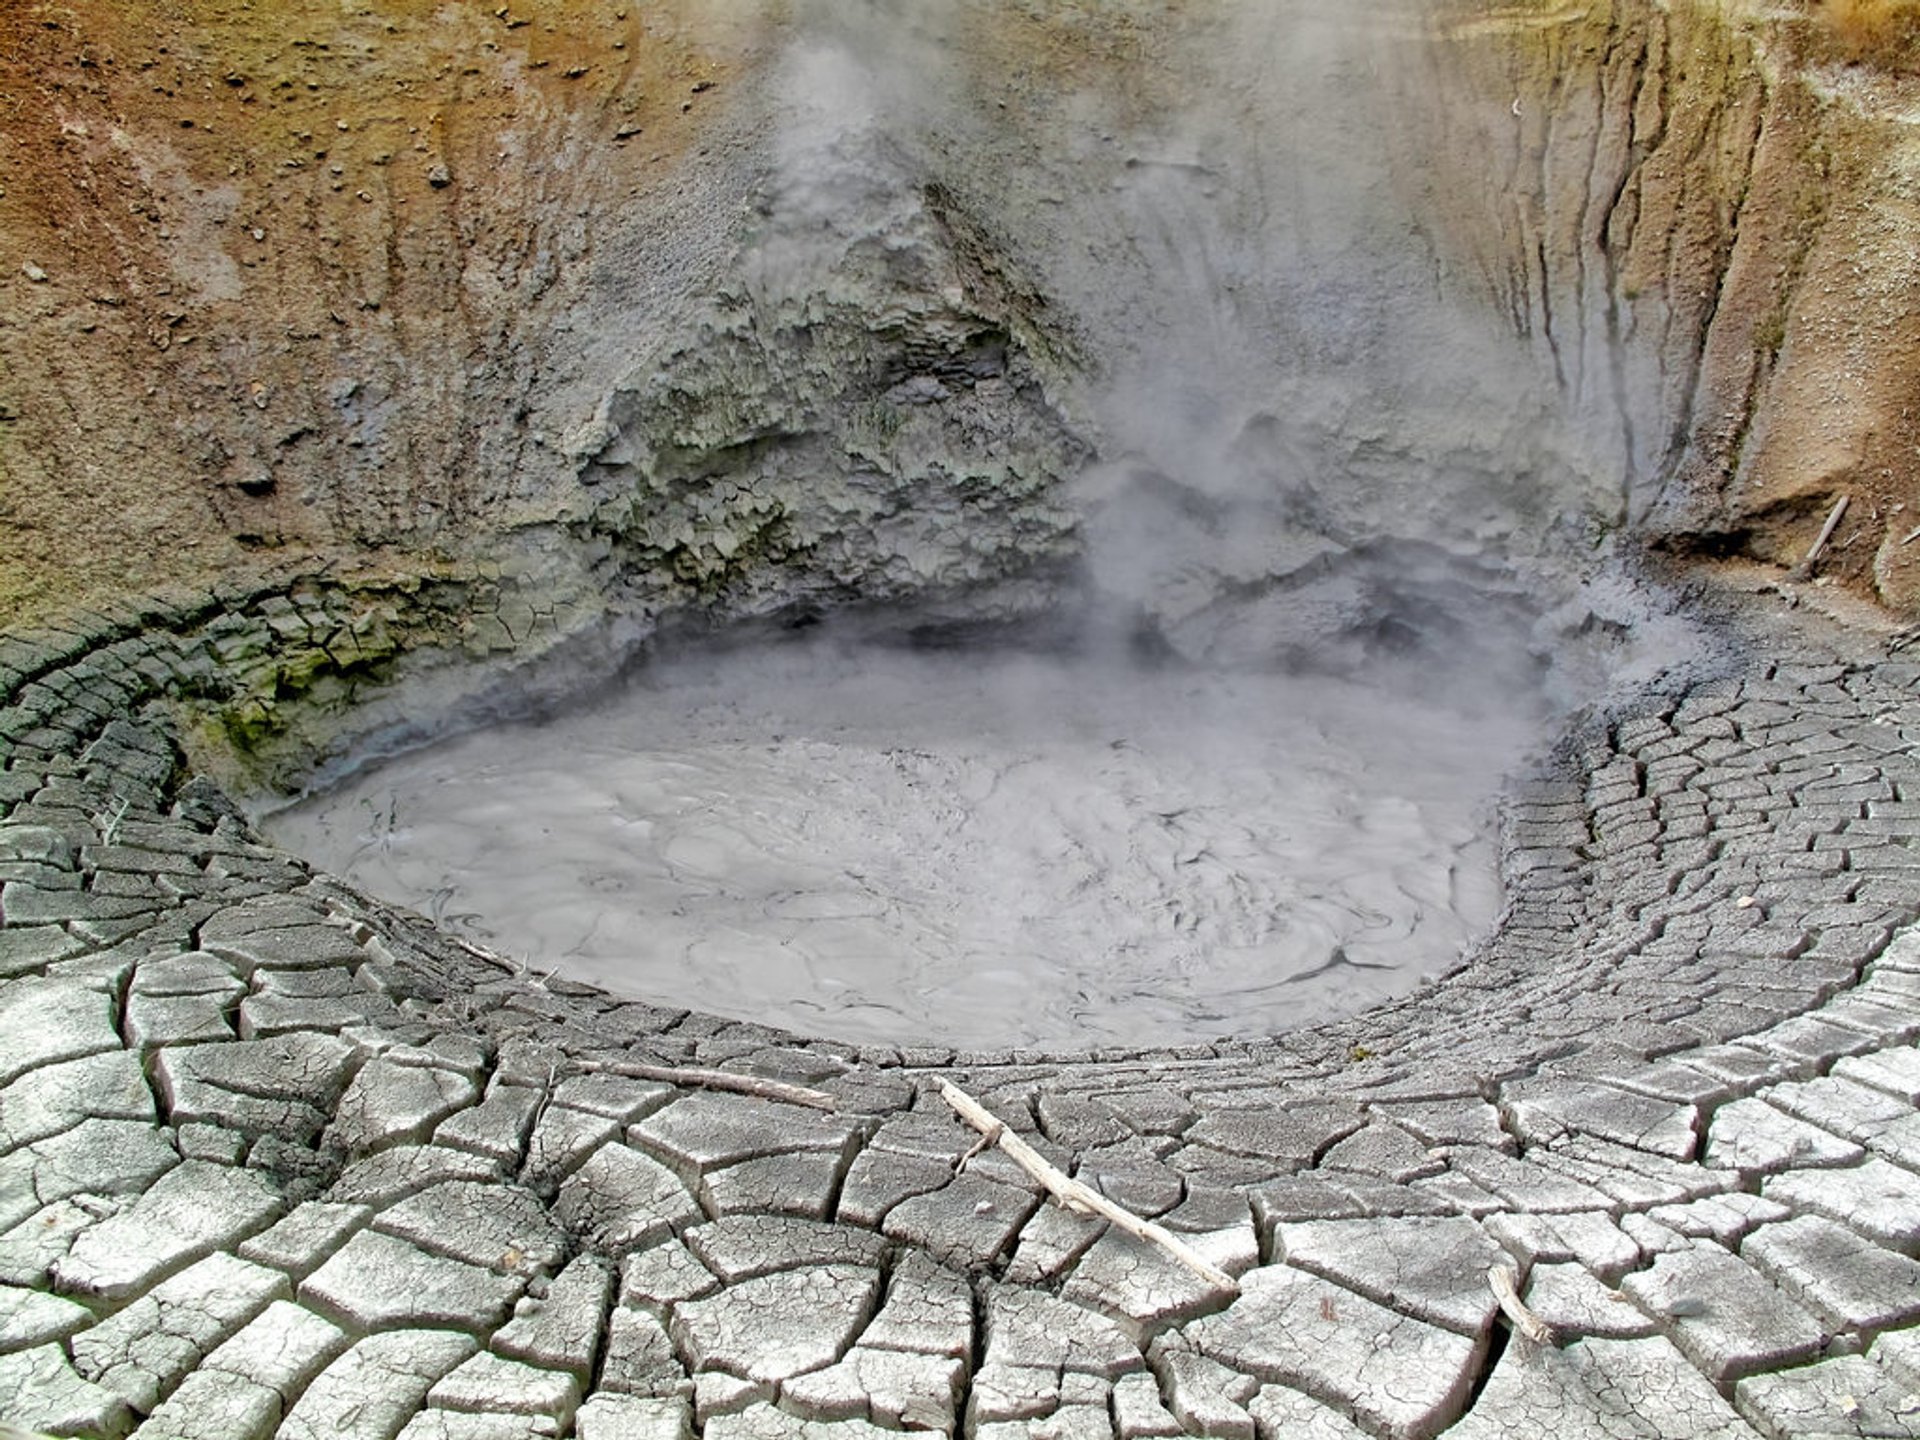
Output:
x,y
1076,1196
756,1085
1805,567
1501,1280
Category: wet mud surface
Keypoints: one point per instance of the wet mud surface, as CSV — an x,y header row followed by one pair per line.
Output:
x,y
991,848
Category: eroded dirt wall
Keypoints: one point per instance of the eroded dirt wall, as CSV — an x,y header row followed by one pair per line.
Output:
x,y
1702,217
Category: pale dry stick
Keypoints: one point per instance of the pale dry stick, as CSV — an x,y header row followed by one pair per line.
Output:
x,y
755,1085
1501,1280
1805,567
672,1074
1076,1196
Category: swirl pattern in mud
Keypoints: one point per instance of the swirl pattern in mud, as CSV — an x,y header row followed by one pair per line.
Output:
x,y
879,845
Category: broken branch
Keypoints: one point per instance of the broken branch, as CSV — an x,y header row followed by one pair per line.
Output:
x,y
1805,567
1502,1281
1077,1196
755,1085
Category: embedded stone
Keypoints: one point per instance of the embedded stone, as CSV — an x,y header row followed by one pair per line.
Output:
x,y
773,1327
191,1211
379,1281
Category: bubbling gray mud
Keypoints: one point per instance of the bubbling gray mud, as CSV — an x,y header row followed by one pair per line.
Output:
x,y
963,848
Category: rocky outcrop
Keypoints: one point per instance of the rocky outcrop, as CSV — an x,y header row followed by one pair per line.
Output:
x,y
861,416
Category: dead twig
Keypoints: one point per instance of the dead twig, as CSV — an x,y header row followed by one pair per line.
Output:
x,y
1805,567
1502,1280
1076,1196
755,1085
